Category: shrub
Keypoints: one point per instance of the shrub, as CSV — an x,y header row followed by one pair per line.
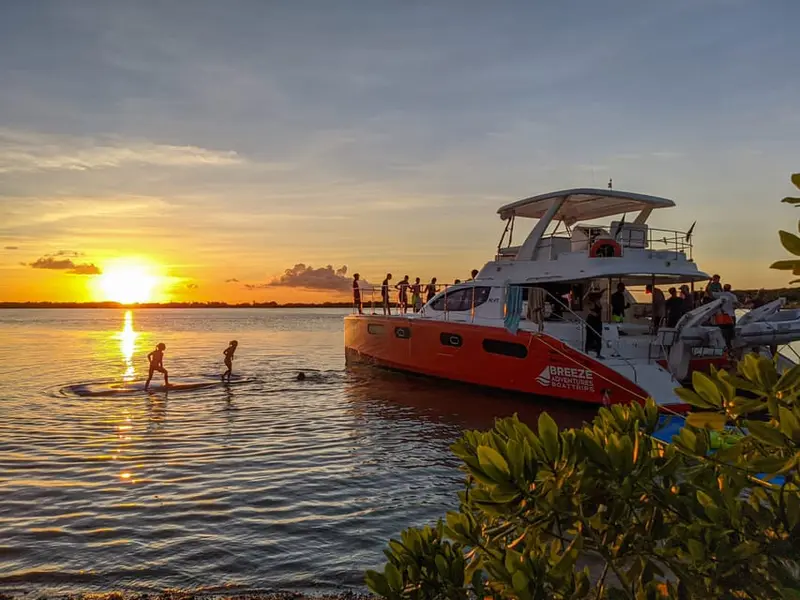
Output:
x,y
656,520
789,240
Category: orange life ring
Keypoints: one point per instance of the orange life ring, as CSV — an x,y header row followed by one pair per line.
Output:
x,y
605,248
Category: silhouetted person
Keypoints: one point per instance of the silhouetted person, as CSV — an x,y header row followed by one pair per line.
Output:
x,y
474,274
357,293
301,376
456,282
658,306
402,294
156,360
759,300
675,307
714,286
229,352
416,295
430,290
619,303
688,299
387,310
594,324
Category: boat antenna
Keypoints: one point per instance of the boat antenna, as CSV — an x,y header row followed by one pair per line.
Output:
x,y
620,226
689,233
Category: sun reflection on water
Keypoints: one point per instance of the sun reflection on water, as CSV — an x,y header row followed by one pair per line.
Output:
x,y
127,339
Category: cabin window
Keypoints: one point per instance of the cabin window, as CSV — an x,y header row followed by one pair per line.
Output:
x,y
375,329
450,339
402,332
505,348
461,300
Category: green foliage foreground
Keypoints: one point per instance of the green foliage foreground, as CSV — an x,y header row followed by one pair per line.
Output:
x,y
607,511
790,241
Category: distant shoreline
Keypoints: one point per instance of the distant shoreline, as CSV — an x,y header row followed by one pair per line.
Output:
x,y
118,306
792,296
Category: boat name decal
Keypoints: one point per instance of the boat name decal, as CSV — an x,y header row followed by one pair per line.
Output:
x,y
568,378
702,351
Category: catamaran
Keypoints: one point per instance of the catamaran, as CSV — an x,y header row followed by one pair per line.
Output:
x,y
521,324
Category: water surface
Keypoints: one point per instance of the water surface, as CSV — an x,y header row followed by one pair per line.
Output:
x,y
266,483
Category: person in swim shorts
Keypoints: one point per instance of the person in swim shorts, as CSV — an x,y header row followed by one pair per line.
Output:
x,y
228,352
156,360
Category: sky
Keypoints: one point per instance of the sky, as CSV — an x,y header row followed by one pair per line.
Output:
x,y
251,150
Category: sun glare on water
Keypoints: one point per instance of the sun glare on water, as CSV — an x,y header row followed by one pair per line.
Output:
x,y
128,283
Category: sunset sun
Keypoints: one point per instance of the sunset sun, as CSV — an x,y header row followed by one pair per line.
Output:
x,y
128,283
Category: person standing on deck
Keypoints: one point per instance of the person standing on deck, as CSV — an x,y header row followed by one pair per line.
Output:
x,y
387,310
416,295
674,307
473,275
688,299
402,294
726,318
658,306
357,293
430,290
619,303
594,324
759,300
713,287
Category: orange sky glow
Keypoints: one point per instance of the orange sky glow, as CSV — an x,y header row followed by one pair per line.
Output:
x,y
150,153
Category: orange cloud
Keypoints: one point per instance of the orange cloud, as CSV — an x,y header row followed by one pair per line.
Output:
x,y
65,264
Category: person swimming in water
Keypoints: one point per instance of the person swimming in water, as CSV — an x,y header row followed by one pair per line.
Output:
x,y
301,376
156,360
229,351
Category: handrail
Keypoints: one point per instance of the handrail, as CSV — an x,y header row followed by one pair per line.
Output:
x,y
553,298
657,239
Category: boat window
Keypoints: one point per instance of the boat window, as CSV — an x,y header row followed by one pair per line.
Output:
x,y
450,339
505,348
402,332
375,329
462,299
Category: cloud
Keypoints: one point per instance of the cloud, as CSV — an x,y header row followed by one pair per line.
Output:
x,y
307,277
232,280
25,152
11,248
192,286
86,269
65,264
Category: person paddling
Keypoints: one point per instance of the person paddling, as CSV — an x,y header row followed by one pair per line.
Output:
x,y
156,360
229,352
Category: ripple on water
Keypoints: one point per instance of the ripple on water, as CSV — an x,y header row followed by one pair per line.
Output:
x,y
271,482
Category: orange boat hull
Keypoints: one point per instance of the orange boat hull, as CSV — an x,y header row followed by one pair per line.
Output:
x,y
487,356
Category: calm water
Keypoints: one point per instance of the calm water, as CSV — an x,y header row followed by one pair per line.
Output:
x,y
268,483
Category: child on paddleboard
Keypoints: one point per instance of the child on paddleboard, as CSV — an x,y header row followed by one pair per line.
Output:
x,y
156,359
229,351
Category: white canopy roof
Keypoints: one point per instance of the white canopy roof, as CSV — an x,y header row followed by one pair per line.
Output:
x,y
583,204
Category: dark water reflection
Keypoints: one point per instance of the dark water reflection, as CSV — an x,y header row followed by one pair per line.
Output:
x,y
268,483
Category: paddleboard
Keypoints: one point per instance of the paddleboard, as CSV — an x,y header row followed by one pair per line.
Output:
x,y
121,388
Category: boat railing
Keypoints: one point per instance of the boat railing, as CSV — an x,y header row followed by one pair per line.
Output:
x,y
644,238
395,309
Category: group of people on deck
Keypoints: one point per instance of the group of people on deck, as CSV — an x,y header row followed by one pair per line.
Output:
x,y
416,291
668,310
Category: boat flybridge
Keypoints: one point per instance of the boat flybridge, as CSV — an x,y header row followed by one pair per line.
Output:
x,y
521,323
